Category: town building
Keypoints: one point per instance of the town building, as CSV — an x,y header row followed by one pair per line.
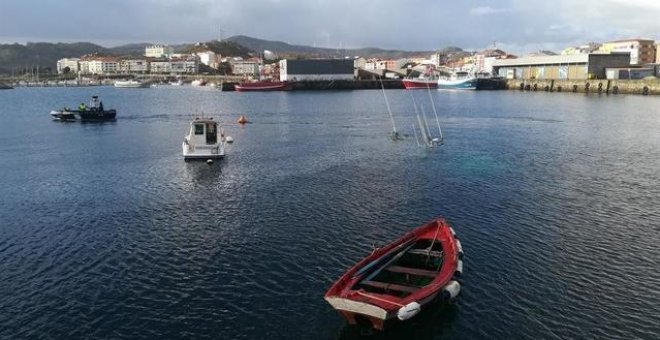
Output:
x,y
582,49
244,67
189,65
642,51
158,51
657,53
103,65
133,66
209,58
316,69
578,66
68,65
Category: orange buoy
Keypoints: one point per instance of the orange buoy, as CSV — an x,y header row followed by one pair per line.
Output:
x,y
242,120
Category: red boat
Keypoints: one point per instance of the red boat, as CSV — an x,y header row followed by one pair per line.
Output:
x,y
264,85
412,84
395,282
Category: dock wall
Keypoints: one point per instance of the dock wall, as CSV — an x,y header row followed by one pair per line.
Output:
x,y
607,86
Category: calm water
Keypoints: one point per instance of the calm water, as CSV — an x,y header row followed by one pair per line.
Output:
x,y
106,233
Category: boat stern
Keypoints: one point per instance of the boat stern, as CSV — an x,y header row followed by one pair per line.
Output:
x,y
356,312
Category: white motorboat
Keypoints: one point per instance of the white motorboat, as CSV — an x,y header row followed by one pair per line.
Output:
x,y
64,115
130,84
203,140
198,82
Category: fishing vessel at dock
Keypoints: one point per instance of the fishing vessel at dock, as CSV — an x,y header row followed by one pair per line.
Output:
x,y
458,81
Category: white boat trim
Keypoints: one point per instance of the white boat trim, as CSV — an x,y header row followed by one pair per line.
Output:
x,y
357,307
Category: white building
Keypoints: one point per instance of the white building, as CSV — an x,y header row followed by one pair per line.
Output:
x,y
160,66
177,66
316,69
73,65
103,65
244,67
134,66
158,51
209,58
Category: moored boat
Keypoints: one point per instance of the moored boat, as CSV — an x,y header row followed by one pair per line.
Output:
x,y
264,85
420,83
203,140
458,81
64,115
130,84
93,112
397,281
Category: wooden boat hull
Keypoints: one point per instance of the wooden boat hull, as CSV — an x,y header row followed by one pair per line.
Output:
x,y
263,86
397,281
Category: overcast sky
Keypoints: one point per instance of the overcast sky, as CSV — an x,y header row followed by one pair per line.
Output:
x,y
515,25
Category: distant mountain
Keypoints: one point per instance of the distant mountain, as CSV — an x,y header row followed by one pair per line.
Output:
x,y
224,48
15,58
282,48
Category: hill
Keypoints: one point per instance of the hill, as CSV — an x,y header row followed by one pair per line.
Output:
x,y
16,58
283,48
224,48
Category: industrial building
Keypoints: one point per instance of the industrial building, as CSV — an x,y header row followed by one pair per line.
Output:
x,y
316,69
578,66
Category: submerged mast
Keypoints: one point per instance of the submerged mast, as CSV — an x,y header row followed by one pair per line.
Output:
x,y
395,134
436,115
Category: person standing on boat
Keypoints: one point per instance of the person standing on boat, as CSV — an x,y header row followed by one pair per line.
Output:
x,y
81,107
101,106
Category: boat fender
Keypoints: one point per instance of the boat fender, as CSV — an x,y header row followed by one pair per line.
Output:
x,y
460,249
451,290
408,311
459,268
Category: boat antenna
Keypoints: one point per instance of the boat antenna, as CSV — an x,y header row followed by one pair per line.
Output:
x,y
436,115
395,134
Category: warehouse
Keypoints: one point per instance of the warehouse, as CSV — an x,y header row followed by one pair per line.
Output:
x,y
578,66
316,69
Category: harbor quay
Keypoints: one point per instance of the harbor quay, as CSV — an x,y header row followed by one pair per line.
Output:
x,y
606,86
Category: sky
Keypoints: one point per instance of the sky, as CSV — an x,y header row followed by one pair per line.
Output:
x,y
517,26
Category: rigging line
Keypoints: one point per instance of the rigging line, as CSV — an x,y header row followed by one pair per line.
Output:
x,y
436,113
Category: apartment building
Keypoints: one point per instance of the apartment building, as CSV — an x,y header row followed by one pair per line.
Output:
x,y
642,51
66,65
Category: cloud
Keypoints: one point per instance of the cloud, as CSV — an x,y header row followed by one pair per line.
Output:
x,y
486,10
331,23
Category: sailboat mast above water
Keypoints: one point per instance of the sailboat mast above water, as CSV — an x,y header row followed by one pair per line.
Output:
x,y
395,134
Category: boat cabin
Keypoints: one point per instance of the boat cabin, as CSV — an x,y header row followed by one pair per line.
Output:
x,y
202,141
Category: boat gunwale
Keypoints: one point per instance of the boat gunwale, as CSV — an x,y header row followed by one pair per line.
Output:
x,y
345,286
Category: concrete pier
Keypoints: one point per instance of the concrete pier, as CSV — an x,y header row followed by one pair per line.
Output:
x,y
606,86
